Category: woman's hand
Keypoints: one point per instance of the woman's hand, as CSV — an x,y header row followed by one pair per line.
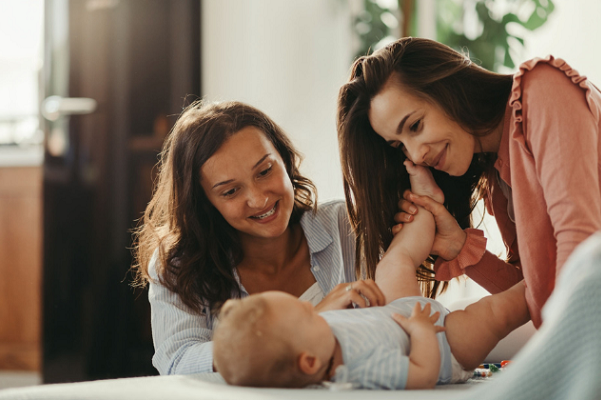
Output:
x,y
449,238
345,294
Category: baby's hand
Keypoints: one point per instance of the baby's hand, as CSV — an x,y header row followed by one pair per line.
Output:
x,y
420,320
422,181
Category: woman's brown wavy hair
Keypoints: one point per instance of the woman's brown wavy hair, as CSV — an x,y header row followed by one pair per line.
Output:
x,y
374,177
197,249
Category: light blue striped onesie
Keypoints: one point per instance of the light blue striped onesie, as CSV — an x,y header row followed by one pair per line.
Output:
x,y
375,349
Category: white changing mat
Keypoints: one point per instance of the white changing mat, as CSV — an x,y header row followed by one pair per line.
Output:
x,y
206,387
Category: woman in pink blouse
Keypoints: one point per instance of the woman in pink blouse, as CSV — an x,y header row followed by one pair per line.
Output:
x,y
528,144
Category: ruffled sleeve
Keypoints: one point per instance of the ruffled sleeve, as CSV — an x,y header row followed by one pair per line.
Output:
x,y
471,253
480,265
554,160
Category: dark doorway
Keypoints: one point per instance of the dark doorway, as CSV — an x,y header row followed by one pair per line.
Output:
x,y
120,73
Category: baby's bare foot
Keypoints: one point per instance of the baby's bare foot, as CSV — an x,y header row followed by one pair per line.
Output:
x,y
422,182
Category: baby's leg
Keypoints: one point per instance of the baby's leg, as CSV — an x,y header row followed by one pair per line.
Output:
x,y
472,333
422,182
395,273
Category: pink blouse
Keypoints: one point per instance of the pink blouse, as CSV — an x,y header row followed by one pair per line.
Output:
x,y
550,158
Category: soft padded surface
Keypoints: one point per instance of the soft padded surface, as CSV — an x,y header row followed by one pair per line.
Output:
x,y
206,387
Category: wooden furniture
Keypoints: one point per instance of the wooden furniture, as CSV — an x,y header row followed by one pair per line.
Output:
x,y
20,267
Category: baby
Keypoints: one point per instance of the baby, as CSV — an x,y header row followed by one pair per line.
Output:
x,y
273,339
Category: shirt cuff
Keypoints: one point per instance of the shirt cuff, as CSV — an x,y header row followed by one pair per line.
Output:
x,y
471,253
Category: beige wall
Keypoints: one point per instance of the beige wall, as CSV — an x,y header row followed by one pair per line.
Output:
x,y
289,59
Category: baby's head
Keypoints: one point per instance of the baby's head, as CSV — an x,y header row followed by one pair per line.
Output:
x,y
271,339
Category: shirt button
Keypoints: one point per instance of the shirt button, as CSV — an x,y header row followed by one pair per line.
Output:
x,y
316,268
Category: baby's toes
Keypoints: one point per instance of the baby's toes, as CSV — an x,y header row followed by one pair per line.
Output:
x,y
411,168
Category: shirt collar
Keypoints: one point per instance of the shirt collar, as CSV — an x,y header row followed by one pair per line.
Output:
x,y
318,237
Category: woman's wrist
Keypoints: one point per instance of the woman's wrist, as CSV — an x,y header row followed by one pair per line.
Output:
x,y
471,252
457,245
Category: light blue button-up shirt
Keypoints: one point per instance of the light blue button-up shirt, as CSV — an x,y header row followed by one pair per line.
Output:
x,y
182,338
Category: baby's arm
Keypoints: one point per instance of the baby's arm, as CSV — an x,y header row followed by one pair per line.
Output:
x,y
424,357
395,273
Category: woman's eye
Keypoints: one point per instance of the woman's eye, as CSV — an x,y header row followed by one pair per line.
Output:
x,y
230,192
265,171
415,126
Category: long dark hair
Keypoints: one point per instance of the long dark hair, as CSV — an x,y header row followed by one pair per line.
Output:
x,y
197,249
374,178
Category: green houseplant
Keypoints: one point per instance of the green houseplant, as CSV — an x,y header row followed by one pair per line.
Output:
x,y
493,42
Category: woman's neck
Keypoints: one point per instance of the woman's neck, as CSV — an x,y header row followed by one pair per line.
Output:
x,y
273,254
491,142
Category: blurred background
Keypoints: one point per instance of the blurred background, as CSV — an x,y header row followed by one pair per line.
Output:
x,y
89,89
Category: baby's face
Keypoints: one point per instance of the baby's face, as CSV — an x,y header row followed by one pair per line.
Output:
x,y
283,327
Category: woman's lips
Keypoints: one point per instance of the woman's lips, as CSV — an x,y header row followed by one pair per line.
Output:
x,y
266,215
440,159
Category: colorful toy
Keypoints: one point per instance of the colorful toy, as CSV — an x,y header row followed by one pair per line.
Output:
x,y
487,370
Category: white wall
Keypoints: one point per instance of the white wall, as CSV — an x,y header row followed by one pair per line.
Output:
x,y
287,58
573,32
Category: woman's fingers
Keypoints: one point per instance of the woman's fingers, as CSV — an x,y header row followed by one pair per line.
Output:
x,y
364,293
429,204
396,229
403,217
408,210
377,294
337,299
407,206
370,289
356,298
450,238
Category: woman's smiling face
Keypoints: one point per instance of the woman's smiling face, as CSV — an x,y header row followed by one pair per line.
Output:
x,y
426,134
246,180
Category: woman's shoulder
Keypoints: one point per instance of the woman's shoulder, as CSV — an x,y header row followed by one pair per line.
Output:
x,y
330,218
541,80
152,266
332,212
547,67
334,206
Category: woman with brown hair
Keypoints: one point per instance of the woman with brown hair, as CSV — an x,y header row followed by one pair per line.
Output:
x,y
231,216
527,144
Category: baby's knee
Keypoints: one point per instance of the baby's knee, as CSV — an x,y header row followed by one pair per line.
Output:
x,y
506,313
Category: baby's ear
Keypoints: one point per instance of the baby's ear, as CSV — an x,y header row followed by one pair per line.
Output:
x,y
308,363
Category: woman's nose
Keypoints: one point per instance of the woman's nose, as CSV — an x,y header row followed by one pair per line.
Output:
x,y
256,198
416,153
